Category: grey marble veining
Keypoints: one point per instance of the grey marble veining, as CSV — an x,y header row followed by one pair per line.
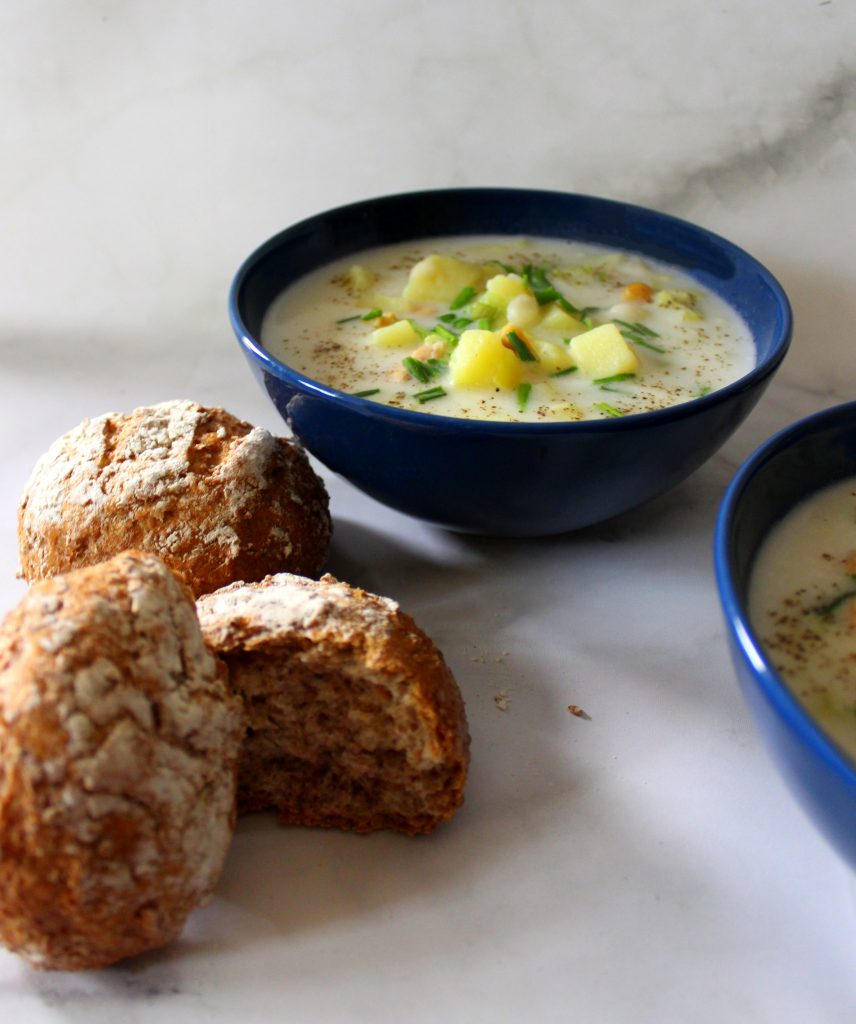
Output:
x,y
821,120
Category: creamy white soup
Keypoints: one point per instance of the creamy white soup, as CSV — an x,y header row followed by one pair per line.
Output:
x,y
802,604
509,329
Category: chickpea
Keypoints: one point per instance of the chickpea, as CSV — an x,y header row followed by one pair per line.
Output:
x,y
524,310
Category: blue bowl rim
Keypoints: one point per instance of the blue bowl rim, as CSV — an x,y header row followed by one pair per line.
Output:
x,y
774,688
406,417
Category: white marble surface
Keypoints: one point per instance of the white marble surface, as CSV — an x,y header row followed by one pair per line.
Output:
x,y
646,865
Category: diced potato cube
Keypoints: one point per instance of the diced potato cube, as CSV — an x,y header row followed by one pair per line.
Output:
x,y
556,319
359,277
552,357
441,279
603,352
480,360
397,335
502,288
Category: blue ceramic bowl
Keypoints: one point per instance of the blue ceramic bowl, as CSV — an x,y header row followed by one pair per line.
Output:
x,y
786,469
511,479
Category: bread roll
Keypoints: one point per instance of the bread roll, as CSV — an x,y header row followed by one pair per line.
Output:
x,y
118,751
215,498
354,719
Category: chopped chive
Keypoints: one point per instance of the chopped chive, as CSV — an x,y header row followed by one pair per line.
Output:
x,y
828,609
614,378
482,309
608,387
446,334
544,290
366,393
430,393
536,279
484,323
705,390
587,311
565,372
638,328
462,298
568,307
416,368
587,320
348,319
461,322
424,370
539,284
523,392
520,348
641,341
610,410
372,314
448,318
647,344
423,332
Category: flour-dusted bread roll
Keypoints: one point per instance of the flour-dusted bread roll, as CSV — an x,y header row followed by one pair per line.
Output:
x,y
217,499
353,718
118,750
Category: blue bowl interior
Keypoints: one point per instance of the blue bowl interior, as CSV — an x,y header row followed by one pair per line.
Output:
x,y
714,262
802,459
797,462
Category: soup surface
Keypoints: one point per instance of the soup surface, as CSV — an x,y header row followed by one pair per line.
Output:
x,y
802,603
510,329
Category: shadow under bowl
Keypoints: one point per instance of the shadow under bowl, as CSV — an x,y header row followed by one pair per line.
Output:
x,y
508,479
788,468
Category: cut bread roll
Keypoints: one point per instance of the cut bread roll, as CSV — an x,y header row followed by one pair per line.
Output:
x,y
354,719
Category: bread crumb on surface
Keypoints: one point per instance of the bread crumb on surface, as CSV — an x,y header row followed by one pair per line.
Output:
x,y
578,712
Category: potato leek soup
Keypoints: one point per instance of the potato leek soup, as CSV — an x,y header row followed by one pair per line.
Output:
x,y
802,604
509,329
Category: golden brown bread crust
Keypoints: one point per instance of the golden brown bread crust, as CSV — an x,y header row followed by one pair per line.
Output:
x,y
118,748
217,499
354,719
